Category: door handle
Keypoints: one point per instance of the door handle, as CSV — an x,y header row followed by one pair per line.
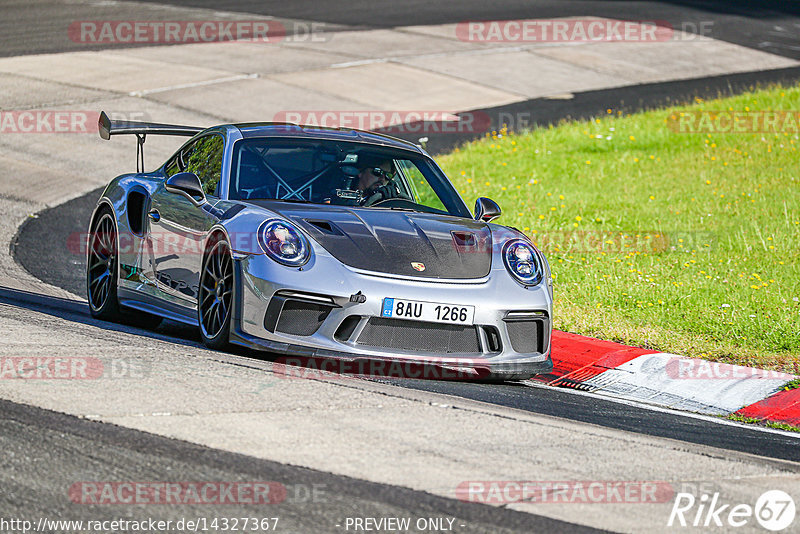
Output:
x,y
154,215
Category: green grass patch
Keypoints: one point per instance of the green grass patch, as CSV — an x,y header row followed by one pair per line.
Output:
x,y
684,243
761,422
794,384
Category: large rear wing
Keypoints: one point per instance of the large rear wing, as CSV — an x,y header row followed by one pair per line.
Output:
x,y
107,128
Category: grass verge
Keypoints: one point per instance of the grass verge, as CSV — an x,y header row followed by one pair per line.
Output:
x,y
761,422
680,242
794,384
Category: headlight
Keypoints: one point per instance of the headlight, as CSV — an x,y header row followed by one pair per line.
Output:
x,y
522,261
283,242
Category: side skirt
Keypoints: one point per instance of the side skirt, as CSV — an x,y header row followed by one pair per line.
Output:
x,y
150,304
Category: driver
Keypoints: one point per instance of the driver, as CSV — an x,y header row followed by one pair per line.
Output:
x,y
375,183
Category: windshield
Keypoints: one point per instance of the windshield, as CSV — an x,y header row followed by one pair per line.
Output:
x,y
340,173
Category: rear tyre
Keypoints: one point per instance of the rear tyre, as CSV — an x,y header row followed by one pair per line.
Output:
x,y
215,297
101,268
101,276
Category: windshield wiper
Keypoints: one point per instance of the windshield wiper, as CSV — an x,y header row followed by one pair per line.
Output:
x,y
396,208
296,200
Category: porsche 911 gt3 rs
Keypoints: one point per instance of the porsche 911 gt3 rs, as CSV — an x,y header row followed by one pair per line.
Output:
x,y
317,242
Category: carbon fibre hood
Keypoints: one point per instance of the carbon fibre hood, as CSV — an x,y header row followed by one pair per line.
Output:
x,y
393,242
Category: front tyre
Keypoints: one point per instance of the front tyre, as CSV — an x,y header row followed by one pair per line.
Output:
x,y
215,297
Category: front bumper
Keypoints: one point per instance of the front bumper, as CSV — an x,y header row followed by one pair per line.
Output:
x,y
263,288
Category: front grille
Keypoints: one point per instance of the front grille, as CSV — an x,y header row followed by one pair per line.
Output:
x,y
526,336
419,336
301,318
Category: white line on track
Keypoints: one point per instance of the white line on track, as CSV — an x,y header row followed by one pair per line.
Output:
x,y
691,415
359,62
226,79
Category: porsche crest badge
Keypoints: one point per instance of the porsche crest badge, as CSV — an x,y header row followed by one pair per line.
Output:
x,y
418,266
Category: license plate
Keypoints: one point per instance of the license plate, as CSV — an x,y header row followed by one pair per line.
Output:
x,y
433,312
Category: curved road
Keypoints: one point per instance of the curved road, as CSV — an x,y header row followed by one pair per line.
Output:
x,y
68,446
769,25
313,501
63,266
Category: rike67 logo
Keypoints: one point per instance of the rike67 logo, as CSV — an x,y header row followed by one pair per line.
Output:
x,y
774,510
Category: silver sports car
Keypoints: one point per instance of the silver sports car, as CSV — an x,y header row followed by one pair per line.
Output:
x,y
317,242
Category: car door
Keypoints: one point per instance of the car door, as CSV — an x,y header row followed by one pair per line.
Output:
x,y
179,224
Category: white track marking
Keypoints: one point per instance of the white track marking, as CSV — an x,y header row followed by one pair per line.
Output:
x,y
651,407
226,79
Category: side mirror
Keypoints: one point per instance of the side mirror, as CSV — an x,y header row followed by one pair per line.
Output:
x,y
486,209
187,184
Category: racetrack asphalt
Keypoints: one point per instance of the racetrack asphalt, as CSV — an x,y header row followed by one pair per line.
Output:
x,y
770,25
314,501
32,435
60,267
585,105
